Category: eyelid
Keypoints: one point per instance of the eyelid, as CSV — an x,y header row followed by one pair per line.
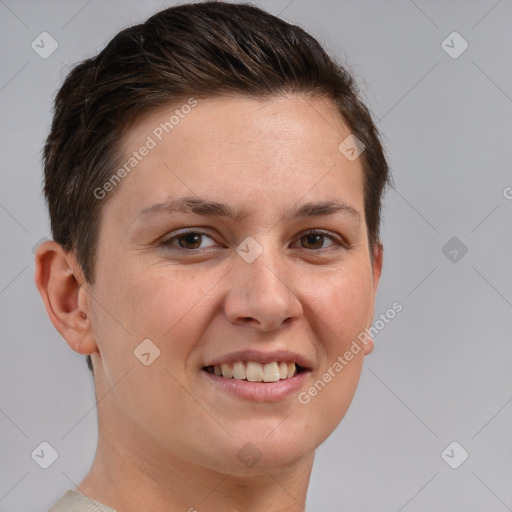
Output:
x,y
339,240
186,231
328,234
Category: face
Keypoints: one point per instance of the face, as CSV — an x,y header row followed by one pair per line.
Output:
x,y
278,287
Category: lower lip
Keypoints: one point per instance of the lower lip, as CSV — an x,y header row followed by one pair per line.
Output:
x,y
259,391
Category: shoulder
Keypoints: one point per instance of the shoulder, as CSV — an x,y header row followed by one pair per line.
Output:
x,y
73,501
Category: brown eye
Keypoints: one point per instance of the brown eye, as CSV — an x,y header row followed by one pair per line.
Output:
x,y
190,240
314,240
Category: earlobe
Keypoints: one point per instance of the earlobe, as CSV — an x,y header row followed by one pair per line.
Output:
x,y
60,284
368,346
378,254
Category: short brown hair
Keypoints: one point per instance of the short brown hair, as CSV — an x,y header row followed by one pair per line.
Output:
x,y
192,50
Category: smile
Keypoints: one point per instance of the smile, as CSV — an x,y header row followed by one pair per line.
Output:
x,y
253,371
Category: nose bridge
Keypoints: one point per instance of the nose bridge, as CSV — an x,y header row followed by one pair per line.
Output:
x,y
263,267
261,286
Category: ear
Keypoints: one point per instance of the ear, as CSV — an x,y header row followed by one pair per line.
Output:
x,y
65,295
378,255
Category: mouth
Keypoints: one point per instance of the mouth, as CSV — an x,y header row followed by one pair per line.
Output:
x,y
253,371
258,376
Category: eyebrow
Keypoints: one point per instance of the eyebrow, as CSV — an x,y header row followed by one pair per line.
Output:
x,y
212,208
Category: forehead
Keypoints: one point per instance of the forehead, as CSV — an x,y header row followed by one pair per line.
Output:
x,y
238,149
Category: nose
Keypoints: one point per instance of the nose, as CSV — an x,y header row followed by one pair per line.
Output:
x,y
262,293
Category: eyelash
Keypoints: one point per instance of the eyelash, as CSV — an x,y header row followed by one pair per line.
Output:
x,y
166,244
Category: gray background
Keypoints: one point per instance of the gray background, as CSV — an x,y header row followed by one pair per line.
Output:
x,y
440,371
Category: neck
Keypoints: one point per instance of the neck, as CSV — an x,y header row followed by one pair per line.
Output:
x,y
129,485
129,476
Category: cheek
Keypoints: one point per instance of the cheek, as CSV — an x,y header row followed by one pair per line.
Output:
x,y
163,305
167,305
167,302
344,304
343,309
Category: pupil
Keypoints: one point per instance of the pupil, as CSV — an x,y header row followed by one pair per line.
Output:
x,y
313,237
191,238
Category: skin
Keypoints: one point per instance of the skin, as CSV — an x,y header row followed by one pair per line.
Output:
x,y
167,439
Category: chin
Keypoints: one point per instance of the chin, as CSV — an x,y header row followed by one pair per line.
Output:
x,y
253,452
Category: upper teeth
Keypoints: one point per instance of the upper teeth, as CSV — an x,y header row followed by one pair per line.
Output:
x,y
255,372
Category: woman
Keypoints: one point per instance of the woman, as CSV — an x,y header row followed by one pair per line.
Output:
x,y
214,187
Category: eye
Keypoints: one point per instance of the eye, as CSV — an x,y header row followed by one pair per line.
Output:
x,y
191,240
316,239
188,240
